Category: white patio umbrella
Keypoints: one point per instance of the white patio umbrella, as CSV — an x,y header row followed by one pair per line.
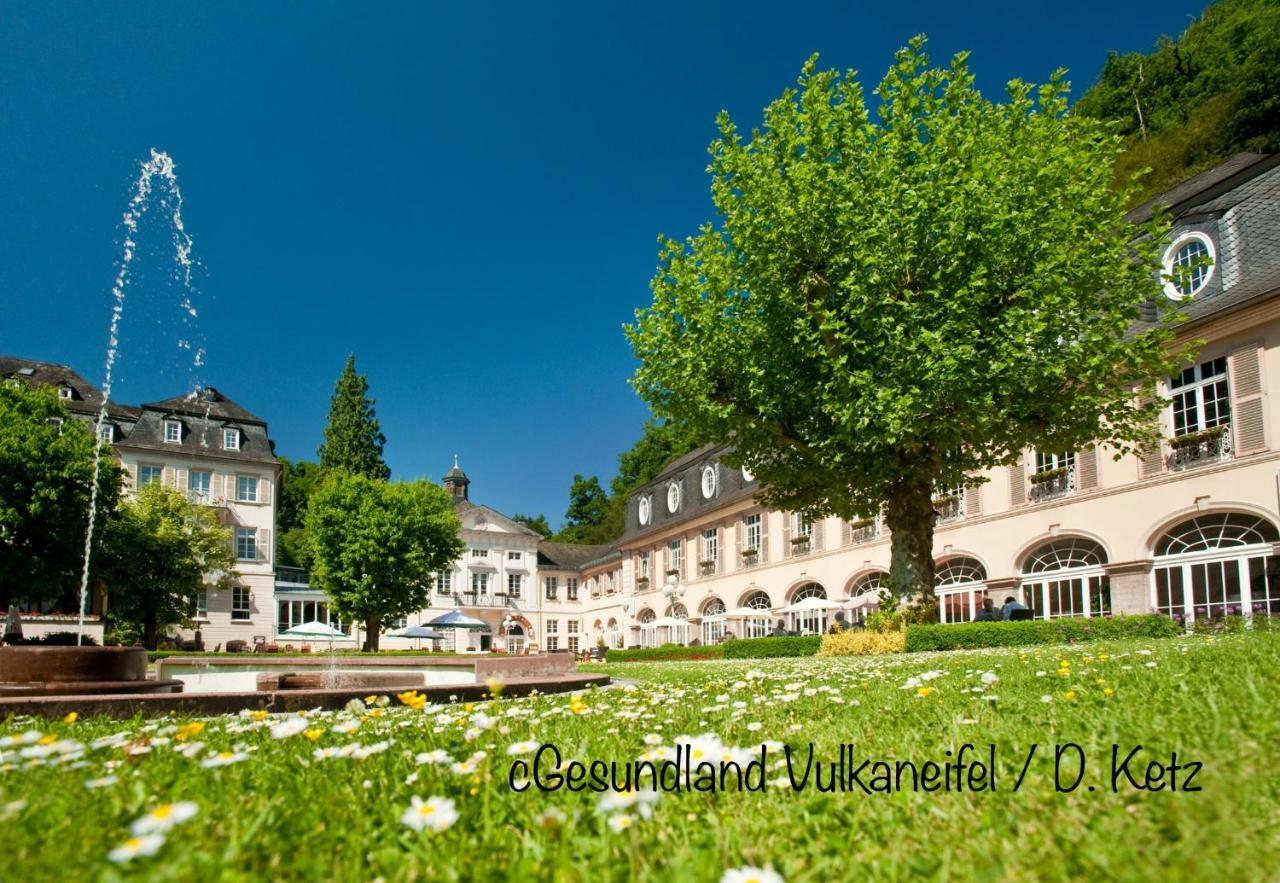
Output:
x,y
314,629
749,613
417,632
809,604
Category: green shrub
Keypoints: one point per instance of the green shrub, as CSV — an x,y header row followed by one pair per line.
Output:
x,y
666,652
1055,631
767,648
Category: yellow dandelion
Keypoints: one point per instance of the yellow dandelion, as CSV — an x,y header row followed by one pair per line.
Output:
x,y
1108,692
260,714
47,740
1070,695
186,731
924,691
313,734
70,717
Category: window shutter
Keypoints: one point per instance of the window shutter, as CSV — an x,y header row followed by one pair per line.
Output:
x,y
1151,458
133,475
720,549
1087,469
846,533
264,490
1017,484
739,529
787,549
181,479
972,501
816,534
1245,374
885,533
264,544
762,554
168,476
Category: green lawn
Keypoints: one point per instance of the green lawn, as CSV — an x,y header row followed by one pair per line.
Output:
x,y
279,808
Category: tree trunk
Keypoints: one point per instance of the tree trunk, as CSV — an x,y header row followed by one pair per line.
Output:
x,y
910,516
149,630
372,626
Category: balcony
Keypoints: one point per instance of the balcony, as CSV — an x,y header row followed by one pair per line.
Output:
x,y
1053,483
486,599
707,568
1200,448
864,531
292,576
801,545
750,558
948,508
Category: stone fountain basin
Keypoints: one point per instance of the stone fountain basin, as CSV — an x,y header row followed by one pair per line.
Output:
x,y
77,671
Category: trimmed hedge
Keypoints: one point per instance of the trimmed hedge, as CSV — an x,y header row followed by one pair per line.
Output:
x,y
767,648
666,652
965,635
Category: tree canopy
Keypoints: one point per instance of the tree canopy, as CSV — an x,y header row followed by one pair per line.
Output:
x,y
160,550
377,544
353,441
537,523
1195,100
893,300
299,480
46,472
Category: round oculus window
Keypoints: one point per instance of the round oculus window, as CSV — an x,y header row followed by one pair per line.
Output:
x,y
643,510
673,497
1188,266
709,482
747,475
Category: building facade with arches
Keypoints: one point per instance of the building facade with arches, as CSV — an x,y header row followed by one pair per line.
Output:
x,y
1190,527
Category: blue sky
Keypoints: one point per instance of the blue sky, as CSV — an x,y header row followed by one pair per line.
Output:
x,y
466,196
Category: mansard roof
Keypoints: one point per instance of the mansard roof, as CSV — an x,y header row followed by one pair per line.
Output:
x,y
573,556
86,398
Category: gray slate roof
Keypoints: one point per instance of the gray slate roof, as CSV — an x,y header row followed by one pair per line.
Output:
x,y
573,556
86,398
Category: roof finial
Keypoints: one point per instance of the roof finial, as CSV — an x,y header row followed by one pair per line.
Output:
x,y
455,461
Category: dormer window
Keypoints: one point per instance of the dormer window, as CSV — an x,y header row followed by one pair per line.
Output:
x,y
107,433
66,392
231,439
173,432
1188,265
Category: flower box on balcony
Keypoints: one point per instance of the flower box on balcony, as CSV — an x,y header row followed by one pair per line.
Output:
x,y
675,571
1192,439
945,500
641,583
863,523
1049,475
750,553
798,541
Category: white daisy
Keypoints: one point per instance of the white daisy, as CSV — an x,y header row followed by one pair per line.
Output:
x,y
436,813
223,758
748,874
148,844
163,817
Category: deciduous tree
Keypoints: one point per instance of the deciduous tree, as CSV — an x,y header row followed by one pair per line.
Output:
x,y
895,299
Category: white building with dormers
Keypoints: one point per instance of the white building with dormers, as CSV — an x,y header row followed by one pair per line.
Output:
x,y
210,448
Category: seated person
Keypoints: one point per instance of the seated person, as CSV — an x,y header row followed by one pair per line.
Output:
x,y
1011,604
780,629
987,612
838,624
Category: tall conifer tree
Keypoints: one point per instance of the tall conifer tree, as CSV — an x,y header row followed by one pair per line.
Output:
x,y
353,441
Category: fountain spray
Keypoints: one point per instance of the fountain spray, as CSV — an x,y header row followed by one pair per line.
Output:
x,y
160,166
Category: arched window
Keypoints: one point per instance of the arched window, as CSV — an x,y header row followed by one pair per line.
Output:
x,y
646,615
958,582
515,639
1217,565
614,635
810,621
1064,577
713,621
677,611
648,631
869,583
809,590
757,626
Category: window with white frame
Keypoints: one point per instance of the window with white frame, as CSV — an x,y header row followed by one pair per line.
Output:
x,y
1064,578
241,610
515,556
107,433
514,582
571,588
675,553
552,586
1188,265
480,554
553,639
149,474
713,621
957,583
246,488
199,485
444,582
479,583
202,602
1200,397
172,432
1048,461
66,392
572,629
247,543
1218,565
642,560
751,538
231,439
710,548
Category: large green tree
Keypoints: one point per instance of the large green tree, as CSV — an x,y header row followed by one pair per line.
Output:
x,y
159,551
537,523
1196,99
299,480
46,472
353,441
893,300
377,544
585,521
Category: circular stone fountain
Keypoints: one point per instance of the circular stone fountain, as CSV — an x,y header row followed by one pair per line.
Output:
x,y
77,671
